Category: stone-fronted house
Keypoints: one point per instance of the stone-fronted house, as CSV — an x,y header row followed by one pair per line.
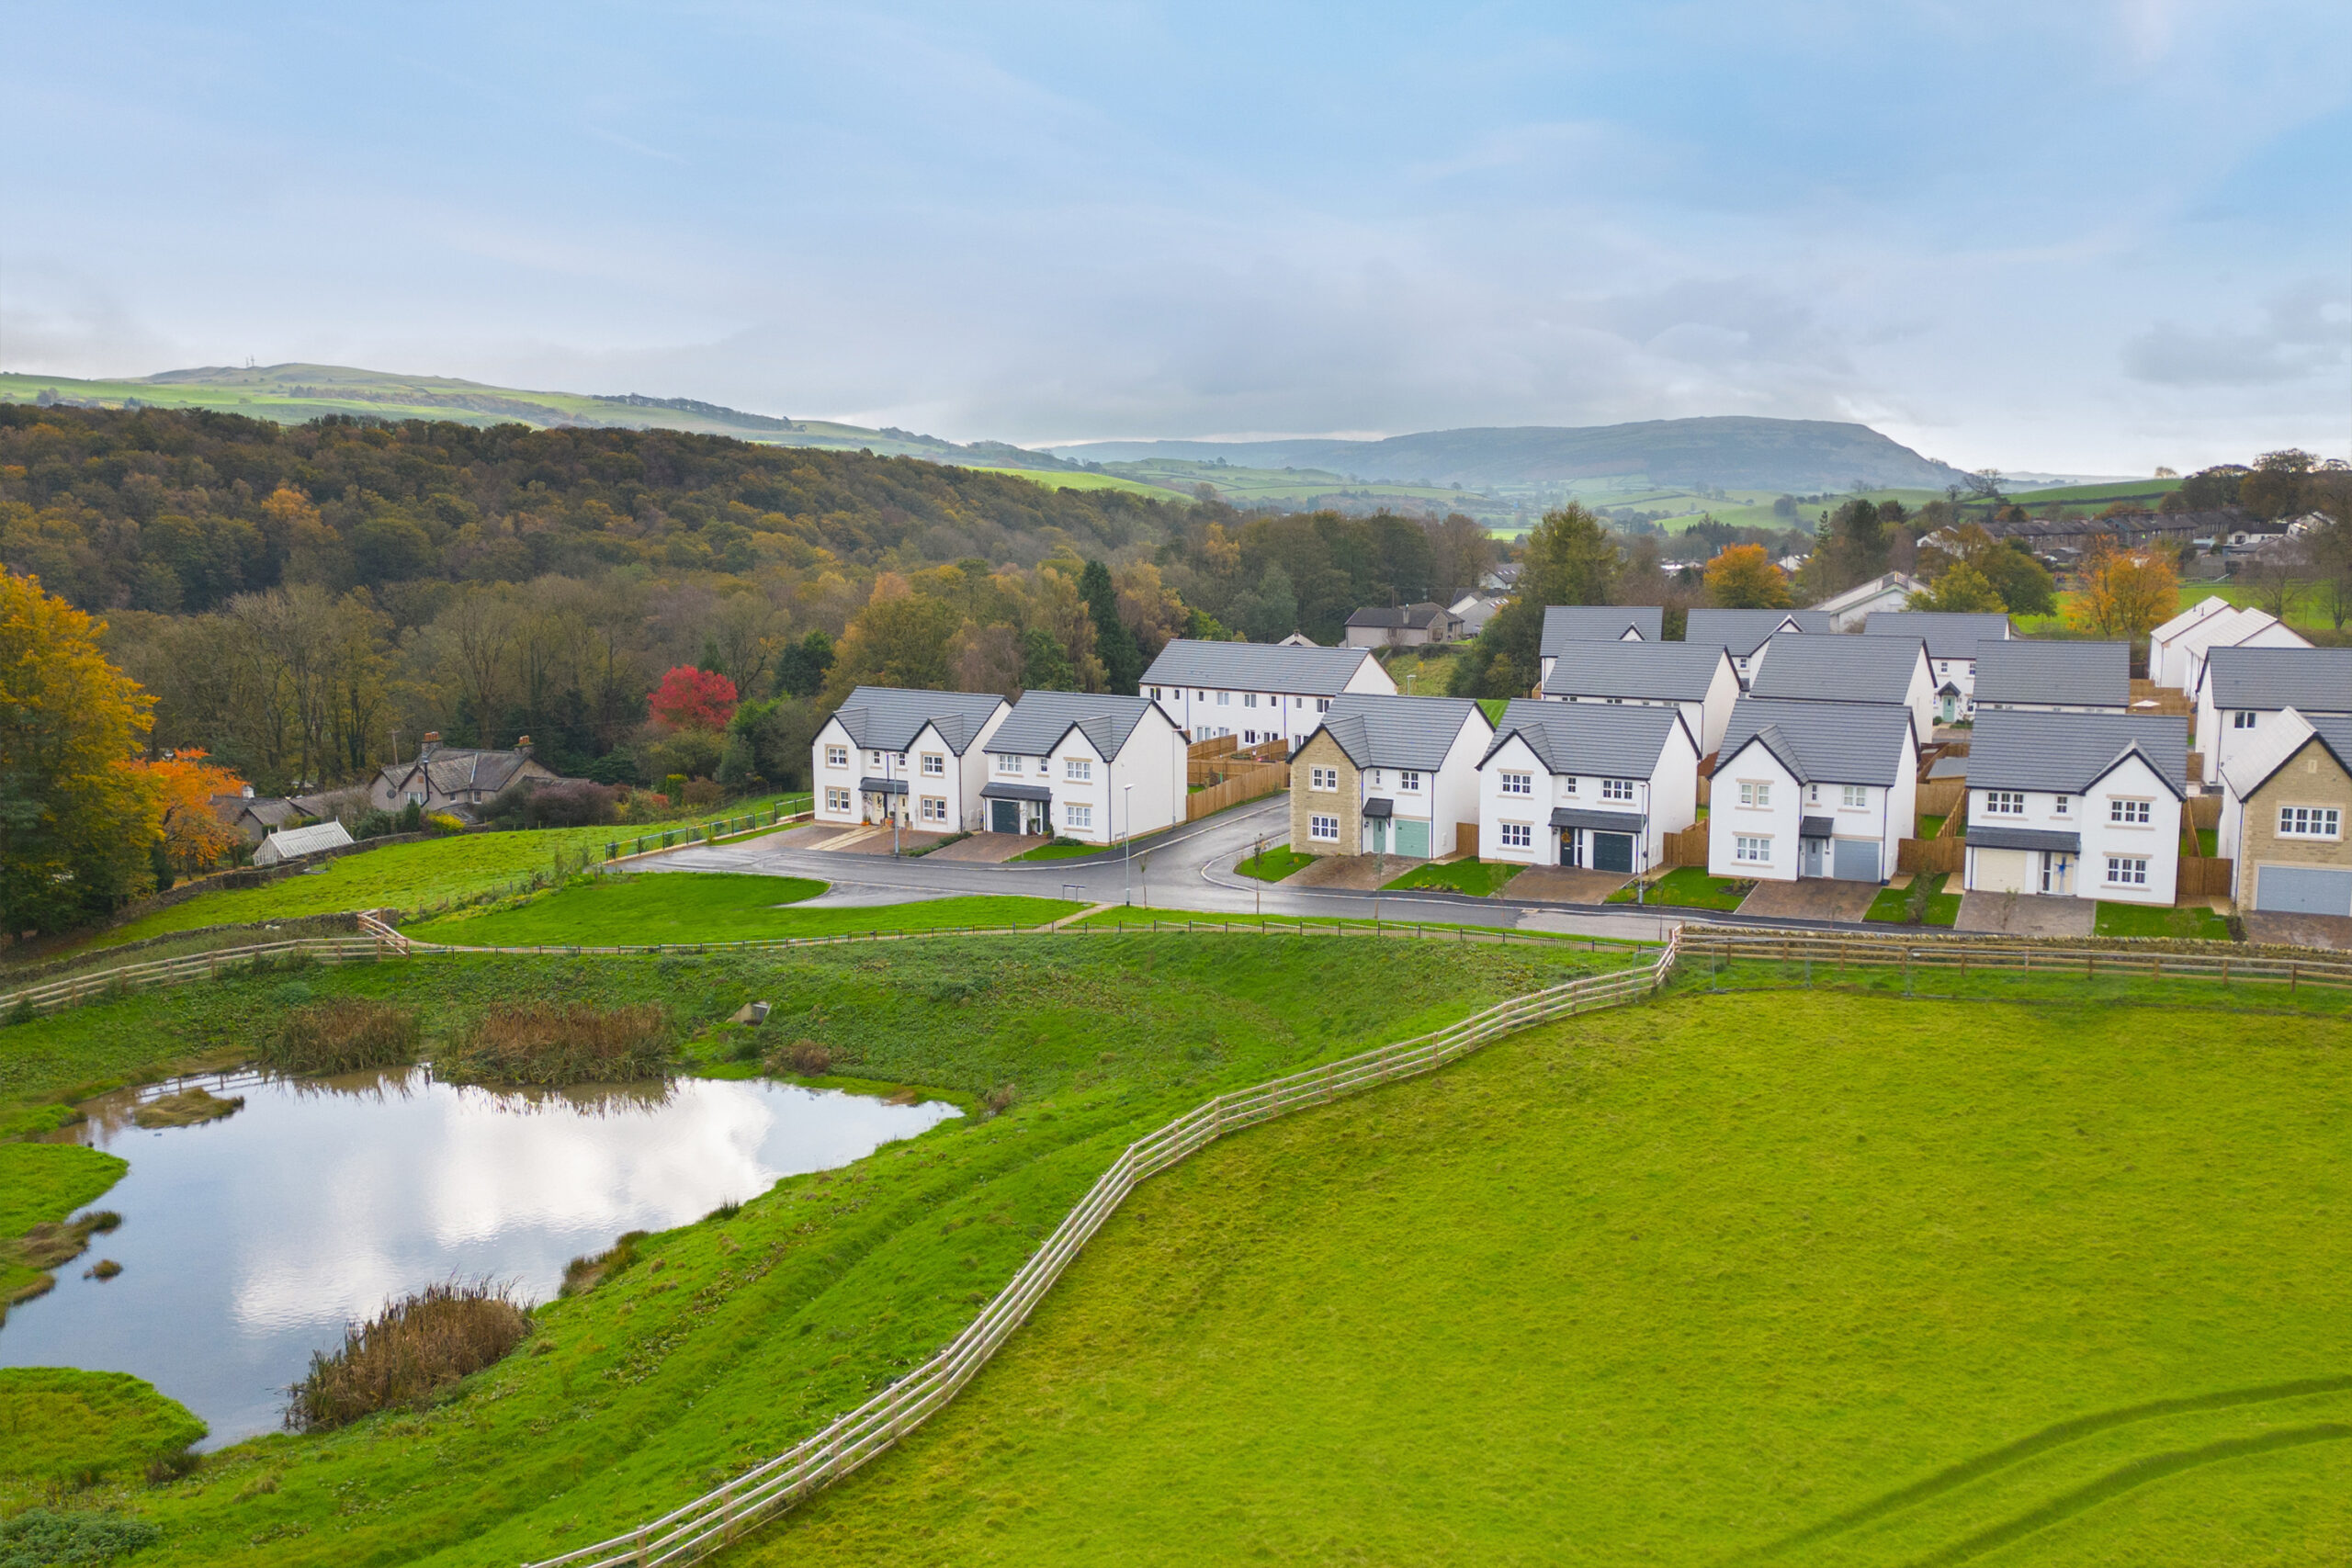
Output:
x,y
1589,784
2243,687
2286,797
1388,775
459,779
255,817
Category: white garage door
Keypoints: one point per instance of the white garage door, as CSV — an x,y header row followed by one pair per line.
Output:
x,y
2000,871
2302,890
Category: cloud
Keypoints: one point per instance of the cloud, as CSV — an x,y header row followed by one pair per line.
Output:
x,y
2303,332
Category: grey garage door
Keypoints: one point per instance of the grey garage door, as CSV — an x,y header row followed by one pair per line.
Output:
x,y
1857,859
1613,851
2302,890
1004,816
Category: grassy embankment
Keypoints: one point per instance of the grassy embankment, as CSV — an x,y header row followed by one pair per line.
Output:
x,y
1691,887
1820,1279
2193,922
729,1339
1274,863
1469,875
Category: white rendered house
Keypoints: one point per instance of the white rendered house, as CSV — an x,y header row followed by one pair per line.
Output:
x,y
1952,639
2167,664
1388,775
1696,679
1567,624
910,756
2075,804
1090,766
1852,669
1813,789
2234,628
1848,610
2242,687
2055,677
1258,692
1587,784
1746,635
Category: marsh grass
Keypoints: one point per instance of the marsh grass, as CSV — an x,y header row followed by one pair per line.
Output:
x,y
409,1352
804,1056
544,1043
344,1034
189,1108
585,1273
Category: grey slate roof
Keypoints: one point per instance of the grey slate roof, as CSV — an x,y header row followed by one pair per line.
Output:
x,y
1988,837
451,770
1591,740
1602,821
1822,742
2065,752
888,718
1378,731
1948,634
1040,719
1565,623
1652,672
1836,669
2099,673
1403,617
2308,680
1949,767
1286,668
1742,632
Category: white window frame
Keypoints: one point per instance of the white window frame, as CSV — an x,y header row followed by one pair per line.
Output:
x,y
1854,797
1749,848
1007,763
1323,830
837,756
2129,811
1079,768
2126,871
1224,699
1077,814
1518,835
836,798
933,809
2003,803
1616,789
2311,822
1756,795
1517,784
934,766
1324,781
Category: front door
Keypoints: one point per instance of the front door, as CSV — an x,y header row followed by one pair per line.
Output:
x,y
1004,816
1613,851
1571,850
1376,831
2057,873
1817,856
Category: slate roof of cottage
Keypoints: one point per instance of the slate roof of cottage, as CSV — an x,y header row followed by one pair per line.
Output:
x,y
1822,742
1288,668
1040,719
1948,634
1378,731
2065,753
2096,673
1403,617
1742,632
888,718
1591,740
1650,671
452,771
2313,680
1836,669
1565,623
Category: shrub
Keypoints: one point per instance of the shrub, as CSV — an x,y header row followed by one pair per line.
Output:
x,y
38,1536
408,1353
804,1056
342,1035
569,803
442,822
542,1042
701,791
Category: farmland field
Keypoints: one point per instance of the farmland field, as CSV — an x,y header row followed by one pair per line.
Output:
x,y
1787,1276
698,907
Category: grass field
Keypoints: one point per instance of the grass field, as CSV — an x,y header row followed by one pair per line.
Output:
x,y
1060,478
733,1337
1778,1278
1479,879
693,905
1060,851
2194,922
57,1423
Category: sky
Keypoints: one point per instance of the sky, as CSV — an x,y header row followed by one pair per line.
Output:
x,y
2077,238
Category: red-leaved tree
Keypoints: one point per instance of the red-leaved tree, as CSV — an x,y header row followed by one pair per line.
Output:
x,y
689,698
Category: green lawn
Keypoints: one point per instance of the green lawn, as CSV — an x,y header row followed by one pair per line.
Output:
x,y
736,1336
1274,864
1479,878
2195,922
1059,852
59,1422
1816,1279
2208,841
1929,825
1893,905
1691,887
693,905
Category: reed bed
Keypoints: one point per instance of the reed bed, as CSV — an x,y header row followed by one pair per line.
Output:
x,y
344,1034
548,1043
406,1355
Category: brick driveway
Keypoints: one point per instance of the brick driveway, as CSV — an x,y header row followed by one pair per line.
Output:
x,y
2026,914
1811,898
1563,884
2300,931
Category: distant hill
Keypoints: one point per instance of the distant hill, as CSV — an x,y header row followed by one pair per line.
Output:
x,y
292,394
1798,455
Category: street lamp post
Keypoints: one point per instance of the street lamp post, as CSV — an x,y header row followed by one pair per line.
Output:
x,y
1257,883
1127,795
887,776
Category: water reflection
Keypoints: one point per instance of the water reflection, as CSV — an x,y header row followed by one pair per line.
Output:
x,y
248,1243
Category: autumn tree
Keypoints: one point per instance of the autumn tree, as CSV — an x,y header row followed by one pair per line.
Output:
x,y
900,638
1961,589
1744,578
1569,557
76,818
2125,594
194,837
689,698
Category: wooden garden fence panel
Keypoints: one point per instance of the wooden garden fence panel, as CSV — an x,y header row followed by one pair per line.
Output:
x,y
1688,847
1265,778
1927,856
2203,877
700,1527
1940,798
2152,961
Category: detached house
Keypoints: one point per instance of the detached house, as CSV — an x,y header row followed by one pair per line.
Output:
x,y
2167,664
1813,789
1746,635
1388,775
454,778
2186,654
1258,692
2242,687
1403,626
1092,766
1587,784
1565,626
1852,669
1952,639
1850,609
2075,804
2286,797
892,754
1695,679
2055,677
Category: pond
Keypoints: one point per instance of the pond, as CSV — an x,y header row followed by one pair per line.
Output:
x,y
248,1243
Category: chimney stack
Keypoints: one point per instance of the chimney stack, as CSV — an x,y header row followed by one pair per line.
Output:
x,y
522,744
432,743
